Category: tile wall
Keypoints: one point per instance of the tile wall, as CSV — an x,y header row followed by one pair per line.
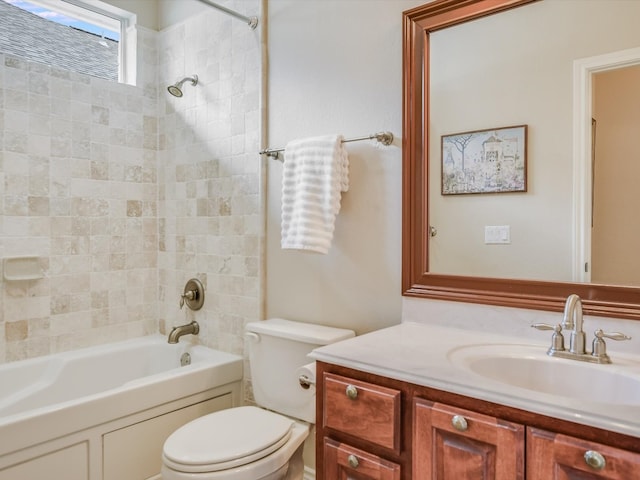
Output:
x,y
124,193
209,174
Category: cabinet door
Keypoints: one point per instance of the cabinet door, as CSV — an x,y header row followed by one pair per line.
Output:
x,y
69,463
344,462
454,444
551,456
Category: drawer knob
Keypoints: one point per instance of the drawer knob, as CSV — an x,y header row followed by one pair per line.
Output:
x,y
595,460
353,461
352,392
459,423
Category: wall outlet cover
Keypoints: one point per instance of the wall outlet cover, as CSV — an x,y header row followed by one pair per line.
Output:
x,y
497,234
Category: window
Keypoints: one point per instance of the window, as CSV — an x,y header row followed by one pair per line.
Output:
x,y
85,36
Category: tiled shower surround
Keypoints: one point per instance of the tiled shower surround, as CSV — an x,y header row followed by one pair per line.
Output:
x,y
126,192
208,174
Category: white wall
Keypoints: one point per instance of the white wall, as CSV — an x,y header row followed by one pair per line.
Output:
x,y
335,66
146,11
171,12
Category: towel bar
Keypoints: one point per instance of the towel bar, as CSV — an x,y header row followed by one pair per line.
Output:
x,y
385,138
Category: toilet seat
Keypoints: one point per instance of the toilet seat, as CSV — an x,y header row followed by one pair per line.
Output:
x,y
226,439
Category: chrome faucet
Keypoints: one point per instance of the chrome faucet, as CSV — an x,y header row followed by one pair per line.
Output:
x,y
572,320
189,329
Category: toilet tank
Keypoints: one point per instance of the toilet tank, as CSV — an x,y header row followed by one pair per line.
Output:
x,y
278,348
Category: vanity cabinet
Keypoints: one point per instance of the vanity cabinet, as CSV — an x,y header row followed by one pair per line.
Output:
x,y
371,427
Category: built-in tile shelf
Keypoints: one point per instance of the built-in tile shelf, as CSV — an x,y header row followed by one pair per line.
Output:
x,y
16,269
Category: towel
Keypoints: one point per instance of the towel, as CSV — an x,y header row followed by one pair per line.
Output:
x,y
314,174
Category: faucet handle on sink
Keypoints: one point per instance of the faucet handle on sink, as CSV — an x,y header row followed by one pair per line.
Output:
x,y
600,348
557,339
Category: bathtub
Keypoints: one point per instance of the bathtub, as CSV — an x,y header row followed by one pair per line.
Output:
x,y
103,413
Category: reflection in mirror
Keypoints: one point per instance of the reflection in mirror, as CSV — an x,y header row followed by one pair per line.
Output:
x,y
616,170
481,65
506,73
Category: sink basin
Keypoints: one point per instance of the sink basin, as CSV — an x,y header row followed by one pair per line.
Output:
x,y
529,367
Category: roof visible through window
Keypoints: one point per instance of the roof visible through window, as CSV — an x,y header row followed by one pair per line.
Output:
x,y
44,35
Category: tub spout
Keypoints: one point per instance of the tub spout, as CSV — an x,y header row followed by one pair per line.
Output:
x,y
189,329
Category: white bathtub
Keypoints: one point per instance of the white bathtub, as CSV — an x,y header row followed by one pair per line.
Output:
x,y
102,413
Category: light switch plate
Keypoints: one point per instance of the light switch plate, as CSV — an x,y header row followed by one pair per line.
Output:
x,y
497,234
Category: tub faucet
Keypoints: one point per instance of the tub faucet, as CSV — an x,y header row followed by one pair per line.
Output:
x,y
189,329
572,320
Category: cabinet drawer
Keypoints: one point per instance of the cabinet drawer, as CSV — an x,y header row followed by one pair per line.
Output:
x,y
345,461
364,410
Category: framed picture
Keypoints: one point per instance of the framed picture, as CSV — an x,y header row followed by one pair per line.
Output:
x,y
485,161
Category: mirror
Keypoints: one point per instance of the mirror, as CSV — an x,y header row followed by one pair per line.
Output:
x,y
541,220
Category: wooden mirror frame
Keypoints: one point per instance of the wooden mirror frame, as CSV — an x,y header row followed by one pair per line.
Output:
x,y
418,23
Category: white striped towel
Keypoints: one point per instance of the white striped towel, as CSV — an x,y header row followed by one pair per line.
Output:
x,y
315,172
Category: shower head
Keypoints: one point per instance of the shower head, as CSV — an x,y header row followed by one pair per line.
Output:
x,y
176,88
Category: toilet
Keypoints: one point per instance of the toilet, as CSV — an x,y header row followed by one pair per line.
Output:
x,y
263,442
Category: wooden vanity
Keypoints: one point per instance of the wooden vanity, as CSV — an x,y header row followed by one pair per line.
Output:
x,y
392,406
378,428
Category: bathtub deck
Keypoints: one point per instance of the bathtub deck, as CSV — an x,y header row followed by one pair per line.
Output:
x,y
117,433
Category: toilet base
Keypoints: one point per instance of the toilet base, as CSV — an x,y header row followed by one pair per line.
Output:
x,y
295,470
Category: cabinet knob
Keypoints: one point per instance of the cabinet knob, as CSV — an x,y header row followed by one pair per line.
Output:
x,y
353,461
352,392
459,423
595,460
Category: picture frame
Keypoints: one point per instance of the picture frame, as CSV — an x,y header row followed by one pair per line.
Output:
x,y
493,160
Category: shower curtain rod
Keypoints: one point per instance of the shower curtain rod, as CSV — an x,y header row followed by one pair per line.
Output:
x,y
251,21
385,138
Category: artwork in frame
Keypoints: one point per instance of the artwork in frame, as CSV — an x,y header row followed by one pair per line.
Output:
x,y
485,161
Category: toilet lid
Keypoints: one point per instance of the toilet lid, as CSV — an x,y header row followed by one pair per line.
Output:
x,y
226,439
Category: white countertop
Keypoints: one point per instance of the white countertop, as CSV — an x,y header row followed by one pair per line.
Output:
x,y
424,355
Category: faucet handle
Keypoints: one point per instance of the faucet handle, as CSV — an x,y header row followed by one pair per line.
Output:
x,y
188,295
545,326
557,339
193,296
600,347
613,335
